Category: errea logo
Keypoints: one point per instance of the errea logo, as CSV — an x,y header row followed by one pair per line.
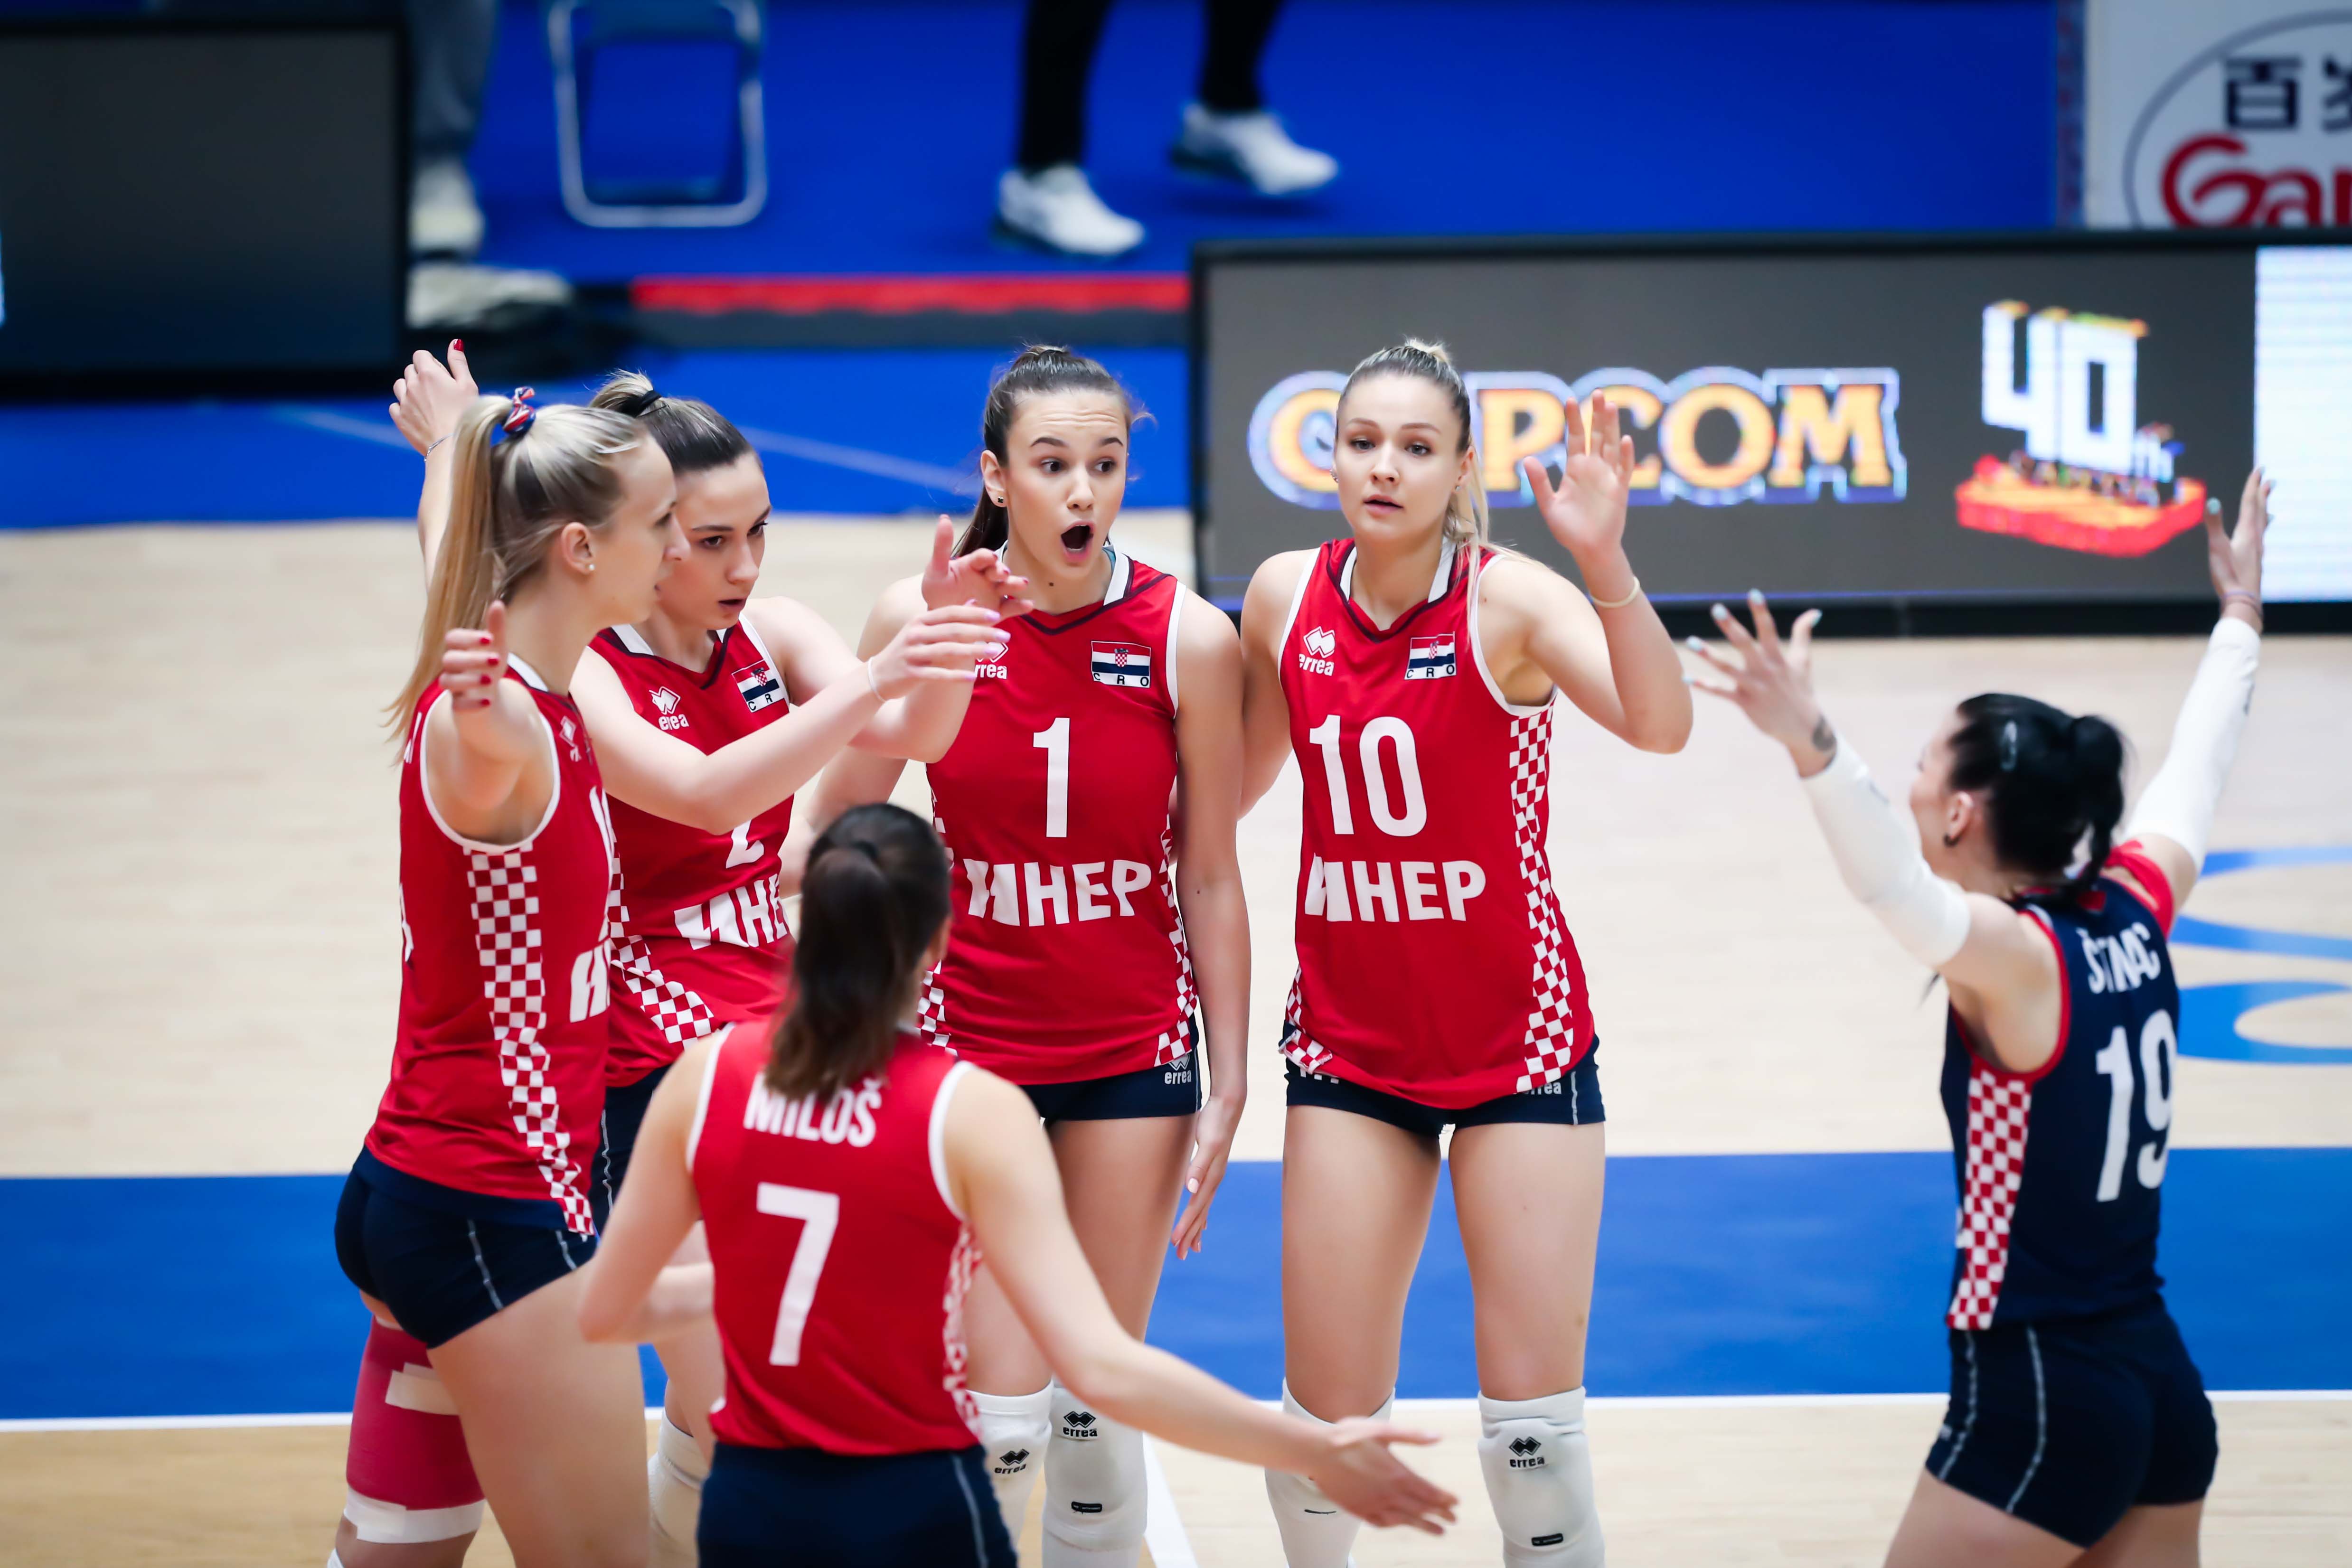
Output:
x,y
666,706
1079,1423
1526,1453
1315,651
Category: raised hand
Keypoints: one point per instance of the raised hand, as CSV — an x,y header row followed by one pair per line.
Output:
x,y
1364,1477
2236,559
1587,512
429,396
981,578
939,645
474,661
1770,681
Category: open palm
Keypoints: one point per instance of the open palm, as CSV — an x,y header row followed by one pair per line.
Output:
x,y
1586,511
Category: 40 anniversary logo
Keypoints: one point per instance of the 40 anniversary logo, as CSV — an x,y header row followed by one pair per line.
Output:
x,y
1716,436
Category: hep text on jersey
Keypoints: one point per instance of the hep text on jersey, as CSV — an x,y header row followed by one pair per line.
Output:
x,y
1392,890
1053,895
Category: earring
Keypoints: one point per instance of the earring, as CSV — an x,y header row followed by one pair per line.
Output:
x,y
995,500
1951,839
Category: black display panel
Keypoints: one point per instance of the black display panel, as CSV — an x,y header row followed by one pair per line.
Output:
x,y
1988,420
181,199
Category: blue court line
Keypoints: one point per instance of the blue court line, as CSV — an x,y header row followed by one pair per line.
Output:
x,y
1752,1274
2212,1017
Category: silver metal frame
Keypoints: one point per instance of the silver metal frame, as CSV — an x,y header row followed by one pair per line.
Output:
x,y
751,119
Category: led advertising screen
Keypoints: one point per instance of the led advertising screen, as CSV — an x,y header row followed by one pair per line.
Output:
x,y
1997,421
189,199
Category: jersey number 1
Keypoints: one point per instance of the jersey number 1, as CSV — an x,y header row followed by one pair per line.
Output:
x,y
2157,1049
819,1214
1053,740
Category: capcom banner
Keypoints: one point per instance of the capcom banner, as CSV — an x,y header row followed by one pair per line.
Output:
x,y
1991,420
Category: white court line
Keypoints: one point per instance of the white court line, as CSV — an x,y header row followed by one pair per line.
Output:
x,y
380,431
1603,1402
1163,1527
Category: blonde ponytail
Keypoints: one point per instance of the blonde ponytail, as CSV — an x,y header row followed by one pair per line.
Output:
x,y
506,503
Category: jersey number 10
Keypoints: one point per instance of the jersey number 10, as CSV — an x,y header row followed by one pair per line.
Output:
x,y
2157,1049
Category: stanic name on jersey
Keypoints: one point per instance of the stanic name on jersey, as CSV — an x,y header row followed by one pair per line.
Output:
x,y
759,685
846,1118
749,916
1122,664
1392,890
1429,658
1004,892
666,703
2122,962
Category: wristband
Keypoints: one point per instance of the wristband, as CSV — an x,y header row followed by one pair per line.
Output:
x,y
1631,594
2253,599
873,685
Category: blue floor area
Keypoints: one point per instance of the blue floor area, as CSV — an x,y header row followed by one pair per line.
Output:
x,y
889,121
1718,1275
873,430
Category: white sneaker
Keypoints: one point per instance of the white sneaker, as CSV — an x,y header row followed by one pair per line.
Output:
x,y
1253,148
1057,208
443,219
459,296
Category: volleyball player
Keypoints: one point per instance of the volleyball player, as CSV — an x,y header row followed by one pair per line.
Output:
x,y
2078,1429
468,1211
699,936
844,1171
1088,806
1410,668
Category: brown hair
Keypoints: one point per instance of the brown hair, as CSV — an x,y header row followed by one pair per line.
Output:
x,y
1041,369
873,895
507,504
1465,509
694,436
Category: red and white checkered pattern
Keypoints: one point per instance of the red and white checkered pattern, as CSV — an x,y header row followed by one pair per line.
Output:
x,y
961,1263
506,936
1176,1039
1999,1112
682,1016
1550,1042
1302,1050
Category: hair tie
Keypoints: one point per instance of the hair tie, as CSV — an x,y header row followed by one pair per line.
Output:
x,y
519,417
2008,746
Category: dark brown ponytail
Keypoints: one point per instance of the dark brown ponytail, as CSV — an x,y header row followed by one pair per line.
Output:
x,y
873,895
1040,369
2052,784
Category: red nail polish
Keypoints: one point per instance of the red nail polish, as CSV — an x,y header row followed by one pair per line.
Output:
x,y
485,639
458,344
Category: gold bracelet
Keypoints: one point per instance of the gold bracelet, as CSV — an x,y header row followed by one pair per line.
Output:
x,y
1631,594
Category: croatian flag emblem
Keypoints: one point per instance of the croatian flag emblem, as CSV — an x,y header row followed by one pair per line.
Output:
x,y
1427,658
759,685
1122,664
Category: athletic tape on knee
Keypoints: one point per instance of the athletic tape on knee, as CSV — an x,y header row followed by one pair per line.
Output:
x,y
1012,1429
406,1465
1096,1491
674,1478
1538,1471
1316,1532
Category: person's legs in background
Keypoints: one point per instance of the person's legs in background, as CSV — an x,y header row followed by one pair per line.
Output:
x,y
1045,198
1229,131
449,54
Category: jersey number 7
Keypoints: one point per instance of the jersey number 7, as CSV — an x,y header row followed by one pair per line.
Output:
x,y
819,1215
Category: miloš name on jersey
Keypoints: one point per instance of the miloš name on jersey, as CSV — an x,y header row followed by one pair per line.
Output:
x,y
846,1118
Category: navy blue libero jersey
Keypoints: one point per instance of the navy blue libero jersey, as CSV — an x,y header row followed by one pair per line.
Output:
x,y
2061,1169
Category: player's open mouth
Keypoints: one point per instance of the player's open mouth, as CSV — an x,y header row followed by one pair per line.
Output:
x,y
1383,505
1077,536
731,605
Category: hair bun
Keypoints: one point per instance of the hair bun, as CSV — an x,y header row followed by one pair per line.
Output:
x,y
1435,350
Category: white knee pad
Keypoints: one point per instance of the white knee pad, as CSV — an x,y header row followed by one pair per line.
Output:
x,y
1316,1532
674,1478
1539,1470
1095,1487
1013,1430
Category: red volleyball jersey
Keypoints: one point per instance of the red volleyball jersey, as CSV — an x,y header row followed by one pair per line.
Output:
x,y
700,938
497,1074
1434,962
1067,958
840,1260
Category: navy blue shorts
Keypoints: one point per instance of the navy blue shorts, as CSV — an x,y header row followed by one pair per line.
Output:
x,y
436,1256
617,1139
802,1508
2069,1422
1573,1100
1171,1088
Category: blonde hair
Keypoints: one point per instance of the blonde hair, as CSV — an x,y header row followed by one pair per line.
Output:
x,y
1465,509
507,504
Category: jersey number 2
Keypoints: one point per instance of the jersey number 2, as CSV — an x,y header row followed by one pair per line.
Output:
x,y
819,1214
2157,1049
